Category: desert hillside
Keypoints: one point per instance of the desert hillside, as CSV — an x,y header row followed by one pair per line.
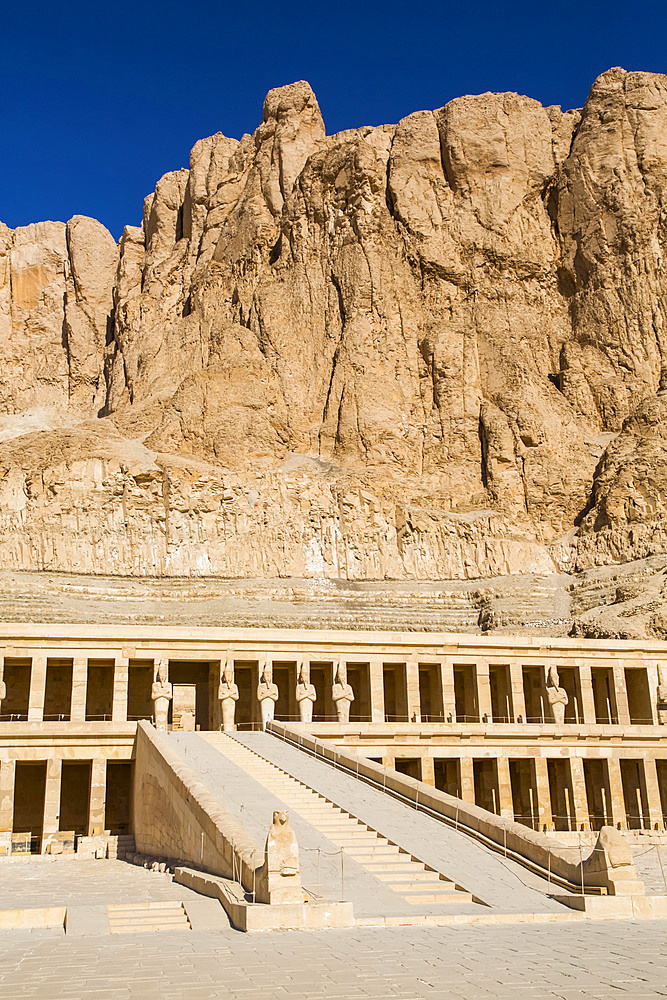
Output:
x,y
428,350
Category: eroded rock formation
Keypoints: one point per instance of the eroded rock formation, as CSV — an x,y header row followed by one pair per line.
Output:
x,y
430,349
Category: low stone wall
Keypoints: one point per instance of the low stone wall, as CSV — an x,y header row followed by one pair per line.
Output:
x,y
176,817
537,848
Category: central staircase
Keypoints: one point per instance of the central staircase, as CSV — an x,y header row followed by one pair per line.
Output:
x,y
405,875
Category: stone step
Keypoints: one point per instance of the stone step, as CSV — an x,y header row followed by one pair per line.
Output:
x,y
395,869
127,918
430,885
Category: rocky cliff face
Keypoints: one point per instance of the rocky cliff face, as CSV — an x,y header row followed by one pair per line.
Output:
x,y
426,350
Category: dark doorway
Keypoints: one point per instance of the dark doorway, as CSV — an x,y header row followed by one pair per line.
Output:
x,y
117,815
17,681
246,675
395,692
358,676
139,685
284,677
447,774
598,795
410,766
524,792
75,796
560,790
486,785
465,693
534,694
602,679
639,696
499,680
29,789
191,673
58,692
430,693
321,675
99,690
634,794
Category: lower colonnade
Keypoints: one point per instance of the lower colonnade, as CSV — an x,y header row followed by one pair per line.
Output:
x,y
560,735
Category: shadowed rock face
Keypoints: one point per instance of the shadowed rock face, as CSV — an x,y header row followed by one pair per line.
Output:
x,y
418,350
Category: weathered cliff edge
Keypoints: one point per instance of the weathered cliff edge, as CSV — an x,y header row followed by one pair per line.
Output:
x,y
424,350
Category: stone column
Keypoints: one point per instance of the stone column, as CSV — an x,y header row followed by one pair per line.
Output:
x,y
653,793
621,695
7,779
587,699
505,800
652,674
580,799
518,696
543,793
412,694
447,684
121,680
483,691
98,793
428,771
376,682
37,689
54,767
616,789
79,688
467,780
389,762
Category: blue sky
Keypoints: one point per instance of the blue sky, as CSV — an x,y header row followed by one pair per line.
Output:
x,y
98,100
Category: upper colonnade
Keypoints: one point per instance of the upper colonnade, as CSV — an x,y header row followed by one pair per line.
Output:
x,y
209,676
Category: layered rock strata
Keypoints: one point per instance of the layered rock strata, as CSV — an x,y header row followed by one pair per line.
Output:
x,y
423,350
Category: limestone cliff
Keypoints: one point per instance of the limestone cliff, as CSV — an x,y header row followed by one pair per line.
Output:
x,y
428,350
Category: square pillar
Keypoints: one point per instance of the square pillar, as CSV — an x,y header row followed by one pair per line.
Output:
x,y
467,780
505,788
121,675
79,688
621,695
516,687
587,699
616,789
376,681
447,687
428,771
412,692
543,794
652,674
98,794
37,689
653,794
7,778
389,762
483,691
580,799
54,767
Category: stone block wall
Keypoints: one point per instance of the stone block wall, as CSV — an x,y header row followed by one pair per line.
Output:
x,y
176,817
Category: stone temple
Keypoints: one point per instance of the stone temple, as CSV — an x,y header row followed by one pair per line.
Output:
x,y
333,641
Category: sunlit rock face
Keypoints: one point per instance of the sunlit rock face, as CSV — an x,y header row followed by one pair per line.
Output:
x,y
423,350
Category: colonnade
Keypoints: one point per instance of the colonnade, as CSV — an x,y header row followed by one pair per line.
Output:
x,y
246,689
572,792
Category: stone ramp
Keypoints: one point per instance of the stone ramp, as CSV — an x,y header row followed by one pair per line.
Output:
x,y
503,885
401,873
329,870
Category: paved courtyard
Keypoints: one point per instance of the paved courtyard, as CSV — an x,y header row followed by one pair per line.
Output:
x,y
515,962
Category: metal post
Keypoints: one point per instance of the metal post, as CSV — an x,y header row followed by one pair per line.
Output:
x,y
342,876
